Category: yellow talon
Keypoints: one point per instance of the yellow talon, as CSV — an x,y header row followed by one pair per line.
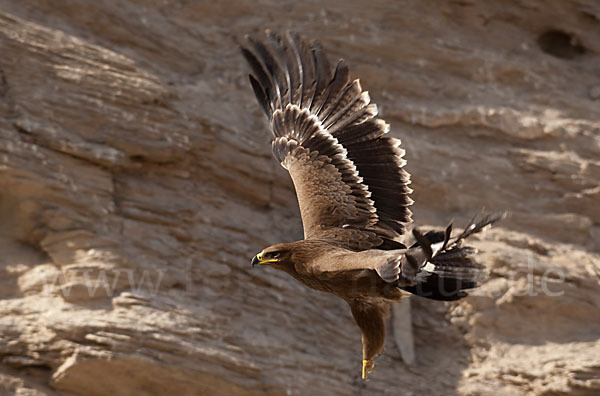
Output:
x,y
367,368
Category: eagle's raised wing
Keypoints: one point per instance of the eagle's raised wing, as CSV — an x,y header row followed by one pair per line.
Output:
x,y
347,172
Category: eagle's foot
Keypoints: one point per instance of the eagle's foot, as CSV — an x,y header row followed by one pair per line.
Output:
x,y
367,368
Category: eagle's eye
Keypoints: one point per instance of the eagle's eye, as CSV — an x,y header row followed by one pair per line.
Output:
x,y
271,255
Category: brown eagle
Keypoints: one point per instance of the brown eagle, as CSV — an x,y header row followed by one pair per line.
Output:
x,y
352,190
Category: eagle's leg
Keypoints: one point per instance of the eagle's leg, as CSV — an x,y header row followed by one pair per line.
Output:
x,y
367,368
369,315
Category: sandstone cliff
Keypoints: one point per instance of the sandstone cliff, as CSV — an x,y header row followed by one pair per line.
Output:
x,y
137,182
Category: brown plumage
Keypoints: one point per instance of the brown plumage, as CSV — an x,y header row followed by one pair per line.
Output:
x,y
352,191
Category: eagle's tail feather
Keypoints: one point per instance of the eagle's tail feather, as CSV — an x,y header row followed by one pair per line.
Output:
x,y
450,267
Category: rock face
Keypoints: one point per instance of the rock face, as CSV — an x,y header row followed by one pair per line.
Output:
x,y
137,182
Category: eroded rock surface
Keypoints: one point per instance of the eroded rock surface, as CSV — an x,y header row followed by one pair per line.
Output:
x,y
137,182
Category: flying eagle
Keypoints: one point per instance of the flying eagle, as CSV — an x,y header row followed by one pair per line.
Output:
x,y
353,192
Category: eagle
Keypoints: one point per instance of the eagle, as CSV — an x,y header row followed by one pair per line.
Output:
x,y
353,192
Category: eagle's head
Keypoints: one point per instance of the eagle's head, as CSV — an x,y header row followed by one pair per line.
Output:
x,y
276,255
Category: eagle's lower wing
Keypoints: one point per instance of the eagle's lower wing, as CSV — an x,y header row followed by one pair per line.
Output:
x,y
347,173
390,265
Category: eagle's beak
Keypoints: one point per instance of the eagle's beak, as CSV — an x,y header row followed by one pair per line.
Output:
x,y
258,259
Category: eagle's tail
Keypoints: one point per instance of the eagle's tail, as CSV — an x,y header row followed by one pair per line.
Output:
x,y
450,267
